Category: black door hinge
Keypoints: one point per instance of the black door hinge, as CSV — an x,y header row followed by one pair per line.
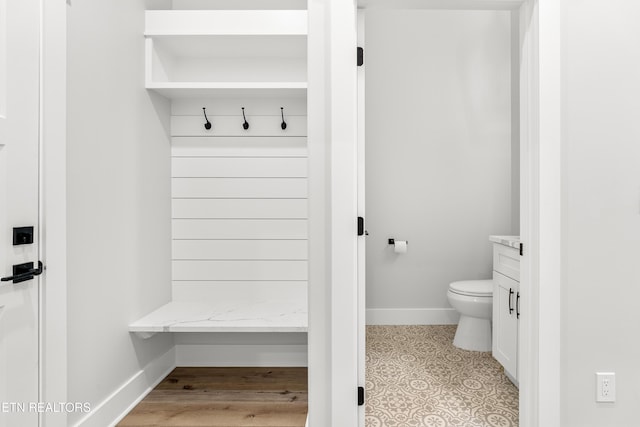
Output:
x,y
360,226
521,249
360,56
360,396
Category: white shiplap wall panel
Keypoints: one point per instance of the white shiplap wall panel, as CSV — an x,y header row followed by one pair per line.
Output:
x,y
239,167
229,106
185,290
239,147
259,126
240,249
239,208
239,270
240,229
239,188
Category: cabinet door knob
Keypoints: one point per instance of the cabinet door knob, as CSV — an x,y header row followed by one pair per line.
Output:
x,y
518,305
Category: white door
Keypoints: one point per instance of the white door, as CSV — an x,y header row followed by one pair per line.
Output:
x,y
361,213
19,134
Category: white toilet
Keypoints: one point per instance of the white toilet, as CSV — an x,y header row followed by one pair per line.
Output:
x,y
473,299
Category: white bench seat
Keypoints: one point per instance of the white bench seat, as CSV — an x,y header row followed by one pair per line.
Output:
x,y
237,315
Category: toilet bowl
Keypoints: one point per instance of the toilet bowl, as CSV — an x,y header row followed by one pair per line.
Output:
x,y
473,299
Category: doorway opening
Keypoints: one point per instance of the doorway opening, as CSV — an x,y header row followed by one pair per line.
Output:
x,y
445,164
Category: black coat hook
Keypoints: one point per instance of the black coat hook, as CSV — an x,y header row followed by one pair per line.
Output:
x,y
245,125
283,125
207,125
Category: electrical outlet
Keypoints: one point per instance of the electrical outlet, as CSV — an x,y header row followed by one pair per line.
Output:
x,y
605,386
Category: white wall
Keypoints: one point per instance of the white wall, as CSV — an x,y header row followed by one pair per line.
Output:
x,y
119,213
438,154
601,105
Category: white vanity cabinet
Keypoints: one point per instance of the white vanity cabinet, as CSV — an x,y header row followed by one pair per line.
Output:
x,y
506,303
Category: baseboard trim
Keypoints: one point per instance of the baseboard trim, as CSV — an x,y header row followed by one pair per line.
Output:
x,y
193,355
115,407
412,316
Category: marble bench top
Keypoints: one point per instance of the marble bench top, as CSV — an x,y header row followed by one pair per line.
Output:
x,y
512,241
248,315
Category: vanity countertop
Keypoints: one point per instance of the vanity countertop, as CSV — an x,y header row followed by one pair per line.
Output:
x,y
511,241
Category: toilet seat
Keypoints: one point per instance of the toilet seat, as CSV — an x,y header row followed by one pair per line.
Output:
x,y
475,288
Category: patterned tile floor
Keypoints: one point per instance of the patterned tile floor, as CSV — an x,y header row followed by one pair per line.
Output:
x,y
415,377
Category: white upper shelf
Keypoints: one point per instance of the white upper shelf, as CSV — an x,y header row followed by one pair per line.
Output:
x,y
187,90
238,53
225,22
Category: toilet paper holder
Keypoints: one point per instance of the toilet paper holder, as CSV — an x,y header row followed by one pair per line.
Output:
x,y
393,241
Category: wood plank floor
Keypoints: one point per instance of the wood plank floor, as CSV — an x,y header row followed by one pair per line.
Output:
x,y
225,397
